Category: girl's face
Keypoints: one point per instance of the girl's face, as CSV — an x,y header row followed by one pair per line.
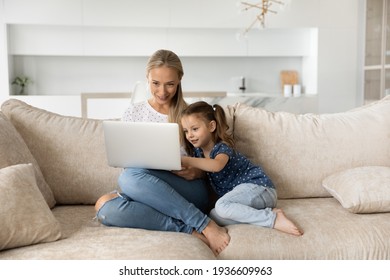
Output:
x,y
198,131
163,82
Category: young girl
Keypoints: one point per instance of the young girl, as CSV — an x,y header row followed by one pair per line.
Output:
x,y
246,194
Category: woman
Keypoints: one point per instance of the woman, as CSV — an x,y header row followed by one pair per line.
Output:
x,y
156,199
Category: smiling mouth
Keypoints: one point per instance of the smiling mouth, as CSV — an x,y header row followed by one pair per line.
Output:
x,y
163,98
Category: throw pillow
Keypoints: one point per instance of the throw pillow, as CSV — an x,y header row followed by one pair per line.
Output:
x,y
361,189
25,217
13,150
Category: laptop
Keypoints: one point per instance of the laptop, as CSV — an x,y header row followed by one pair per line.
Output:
x,y
142,145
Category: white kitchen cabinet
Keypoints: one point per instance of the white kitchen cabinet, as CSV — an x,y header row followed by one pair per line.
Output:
x,y
126,13
44,40
142,41
58,12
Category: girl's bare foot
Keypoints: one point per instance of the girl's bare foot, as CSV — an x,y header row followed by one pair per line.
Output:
x,y
283,224
217,237
201,237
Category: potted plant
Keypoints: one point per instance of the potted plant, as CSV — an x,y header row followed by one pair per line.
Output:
x,y
22,82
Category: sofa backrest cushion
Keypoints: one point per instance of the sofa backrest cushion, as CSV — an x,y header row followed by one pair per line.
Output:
x,y
69,150
13,150
299,151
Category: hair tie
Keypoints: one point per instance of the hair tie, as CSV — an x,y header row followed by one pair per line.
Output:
x,y
214,108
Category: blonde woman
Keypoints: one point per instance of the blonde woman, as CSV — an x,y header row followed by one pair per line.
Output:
x,y
156,199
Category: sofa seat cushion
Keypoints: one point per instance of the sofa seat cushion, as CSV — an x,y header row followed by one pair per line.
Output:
x,y
330,233
299,151
25,217
69,150
13,151
86,239
363,189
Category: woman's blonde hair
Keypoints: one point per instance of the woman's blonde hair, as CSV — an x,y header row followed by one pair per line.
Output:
x,y
169,59
209,113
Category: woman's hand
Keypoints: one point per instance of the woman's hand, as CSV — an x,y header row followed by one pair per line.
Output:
x,y
190,173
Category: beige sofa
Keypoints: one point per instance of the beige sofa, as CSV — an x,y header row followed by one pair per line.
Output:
x,y
332,173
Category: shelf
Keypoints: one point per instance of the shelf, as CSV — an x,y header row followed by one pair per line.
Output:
x,y
57,40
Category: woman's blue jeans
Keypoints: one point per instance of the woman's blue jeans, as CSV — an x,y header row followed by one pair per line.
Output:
x,y
157,200
246,203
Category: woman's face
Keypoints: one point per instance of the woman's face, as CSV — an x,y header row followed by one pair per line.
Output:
x,y
163,82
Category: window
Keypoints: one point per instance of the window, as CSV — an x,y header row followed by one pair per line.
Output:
x,y
377,50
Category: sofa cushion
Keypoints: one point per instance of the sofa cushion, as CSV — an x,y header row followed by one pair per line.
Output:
x,y
69,150
13,150
299,151
84,238
25,217
330,233
362,189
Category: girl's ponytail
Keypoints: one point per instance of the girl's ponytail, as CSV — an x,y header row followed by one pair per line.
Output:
x,y
222,126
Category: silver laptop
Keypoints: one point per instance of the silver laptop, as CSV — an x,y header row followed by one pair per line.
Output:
x,y
142,145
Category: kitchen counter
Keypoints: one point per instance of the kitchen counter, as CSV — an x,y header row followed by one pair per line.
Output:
x,y
112,105
272,102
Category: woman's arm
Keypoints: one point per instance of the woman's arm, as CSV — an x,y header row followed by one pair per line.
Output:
x,y
206,164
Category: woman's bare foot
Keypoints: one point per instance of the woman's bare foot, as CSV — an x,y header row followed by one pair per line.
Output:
x,y
201,237
283,224
217,237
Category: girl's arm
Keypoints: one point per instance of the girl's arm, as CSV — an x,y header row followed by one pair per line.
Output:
x,y
206,164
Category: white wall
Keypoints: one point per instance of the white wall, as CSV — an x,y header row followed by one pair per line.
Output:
x,y
335,20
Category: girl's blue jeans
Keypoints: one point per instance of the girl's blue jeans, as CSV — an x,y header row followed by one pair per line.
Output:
x,y
157,200
246,203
